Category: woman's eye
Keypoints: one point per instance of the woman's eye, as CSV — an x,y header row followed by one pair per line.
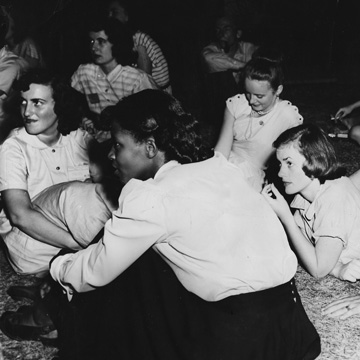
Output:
x,y
289,164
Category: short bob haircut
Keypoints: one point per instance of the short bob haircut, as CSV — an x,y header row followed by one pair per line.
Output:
x,y
264,69
69,104
119,35
154,113
320,158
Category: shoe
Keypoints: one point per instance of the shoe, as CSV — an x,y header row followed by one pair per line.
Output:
x,y
24,292
21,326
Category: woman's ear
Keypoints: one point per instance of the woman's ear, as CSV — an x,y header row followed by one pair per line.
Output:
x,y
279,90
151,148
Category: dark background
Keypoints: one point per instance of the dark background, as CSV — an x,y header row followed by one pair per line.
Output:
x,y
320,38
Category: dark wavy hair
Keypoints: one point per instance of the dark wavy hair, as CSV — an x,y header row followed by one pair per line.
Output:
x,y
320,157
69,104
264,69
119,35
158,114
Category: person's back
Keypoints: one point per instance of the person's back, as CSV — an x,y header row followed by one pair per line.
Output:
x,y
208,209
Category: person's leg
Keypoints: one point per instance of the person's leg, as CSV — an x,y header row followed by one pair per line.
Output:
x,y
147,313
354,133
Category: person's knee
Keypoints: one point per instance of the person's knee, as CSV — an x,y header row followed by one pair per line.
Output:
x,y
354,133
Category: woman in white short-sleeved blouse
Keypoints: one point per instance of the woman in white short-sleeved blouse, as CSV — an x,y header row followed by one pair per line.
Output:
x,y
48,150
253,120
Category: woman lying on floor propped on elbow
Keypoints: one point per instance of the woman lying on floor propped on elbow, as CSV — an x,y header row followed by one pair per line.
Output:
x,y
325,228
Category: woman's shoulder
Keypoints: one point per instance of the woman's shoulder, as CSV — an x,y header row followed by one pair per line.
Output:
x,y
79,136
237,104
85,70
16,136
337,190
291,112
140,37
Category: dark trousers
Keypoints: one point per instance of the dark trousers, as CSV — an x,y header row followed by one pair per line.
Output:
x,y
147,314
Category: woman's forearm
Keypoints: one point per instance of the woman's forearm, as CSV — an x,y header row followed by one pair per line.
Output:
x,y
318,260
36,225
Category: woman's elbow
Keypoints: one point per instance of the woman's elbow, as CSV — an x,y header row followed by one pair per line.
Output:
x,y
19,218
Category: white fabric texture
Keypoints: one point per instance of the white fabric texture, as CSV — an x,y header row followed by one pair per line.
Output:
x,y
80,208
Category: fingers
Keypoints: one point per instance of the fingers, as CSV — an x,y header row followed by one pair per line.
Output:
x,y
343,308
275,190
339,114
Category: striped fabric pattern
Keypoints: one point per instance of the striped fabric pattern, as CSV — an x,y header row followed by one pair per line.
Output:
x,y
160,70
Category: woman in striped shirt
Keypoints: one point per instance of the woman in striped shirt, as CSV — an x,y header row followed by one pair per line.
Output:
x,y
150,57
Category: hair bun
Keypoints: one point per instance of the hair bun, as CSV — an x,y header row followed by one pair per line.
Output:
x,y
271,54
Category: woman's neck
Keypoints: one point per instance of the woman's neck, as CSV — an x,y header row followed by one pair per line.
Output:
x,y
310,192
49,139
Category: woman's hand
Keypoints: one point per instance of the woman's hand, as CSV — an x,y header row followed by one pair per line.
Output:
x,y
349,271
343,308
344,111
276,201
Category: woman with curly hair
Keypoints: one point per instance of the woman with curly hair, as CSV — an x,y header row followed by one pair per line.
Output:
x,y
48,149
325,227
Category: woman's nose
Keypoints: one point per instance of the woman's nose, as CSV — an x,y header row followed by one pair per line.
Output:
x,y
27,111
281,172
94,46
111,154
251,99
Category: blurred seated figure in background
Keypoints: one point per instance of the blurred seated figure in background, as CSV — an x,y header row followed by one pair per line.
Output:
x,y
150,57
11,68
254,120
18,39
110,76
224,60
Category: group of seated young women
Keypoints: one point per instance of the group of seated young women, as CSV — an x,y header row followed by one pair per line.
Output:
x,y
201,217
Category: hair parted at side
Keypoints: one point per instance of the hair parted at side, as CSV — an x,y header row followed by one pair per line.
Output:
x,y
320,157
68,102
154,113
119,35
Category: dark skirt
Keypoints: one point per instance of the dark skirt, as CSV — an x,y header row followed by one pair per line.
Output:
x,y
147,314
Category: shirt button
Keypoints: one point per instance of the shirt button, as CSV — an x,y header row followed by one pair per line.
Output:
x,y
58,168
53,150
261,122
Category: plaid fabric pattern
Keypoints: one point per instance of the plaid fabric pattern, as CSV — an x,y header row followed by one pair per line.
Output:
x,y
103,90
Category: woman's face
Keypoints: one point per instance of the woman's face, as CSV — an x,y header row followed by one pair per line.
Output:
x,y
116,11
129,158
37,109
291,169
260,95
101,48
